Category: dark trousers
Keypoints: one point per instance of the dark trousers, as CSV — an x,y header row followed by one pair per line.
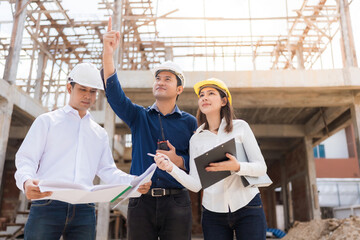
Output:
x,y
51,219
247,223
167,217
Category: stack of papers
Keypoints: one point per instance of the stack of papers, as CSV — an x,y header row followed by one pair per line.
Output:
x,y
76,194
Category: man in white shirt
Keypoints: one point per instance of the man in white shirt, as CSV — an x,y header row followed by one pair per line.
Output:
x,y
67,145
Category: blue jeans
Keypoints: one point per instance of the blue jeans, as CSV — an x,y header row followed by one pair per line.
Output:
x,y
49,219
168,217
248,223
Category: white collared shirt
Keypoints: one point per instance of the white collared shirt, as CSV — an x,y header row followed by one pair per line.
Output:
x,y
62,146
228,193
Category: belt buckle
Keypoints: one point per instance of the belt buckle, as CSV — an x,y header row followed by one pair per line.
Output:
x,y
158,192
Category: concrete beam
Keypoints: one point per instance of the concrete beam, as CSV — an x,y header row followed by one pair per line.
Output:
x,y
278,130
252,98
337,125
20,99
18,132
318,79
260,130
257,98
274,88
5,89
322,119
274,145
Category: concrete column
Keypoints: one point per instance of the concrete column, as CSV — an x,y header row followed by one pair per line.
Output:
x,y
42,61
6,109
355,116
285,194
117,23
12,60
347,43
169,55
103,218
300,57
311,177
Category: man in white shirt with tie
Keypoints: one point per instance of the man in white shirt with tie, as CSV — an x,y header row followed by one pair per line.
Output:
x,y
67,145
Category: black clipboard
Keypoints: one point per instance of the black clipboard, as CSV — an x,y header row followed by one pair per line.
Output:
x,y
217,154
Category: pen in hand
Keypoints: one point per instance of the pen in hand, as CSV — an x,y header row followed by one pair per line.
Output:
x,y
153,155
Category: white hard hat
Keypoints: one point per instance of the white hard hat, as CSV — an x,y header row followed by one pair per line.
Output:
x,y
170,67
86,74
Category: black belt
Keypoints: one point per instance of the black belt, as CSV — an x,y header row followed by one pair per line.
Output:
x,y
159,192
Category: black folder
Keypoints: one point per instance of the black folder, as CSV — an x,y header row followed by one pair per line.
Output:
x,y
217,154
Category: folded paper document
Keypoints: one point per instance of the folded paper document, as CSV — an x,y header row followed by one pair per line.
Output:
x,y
143,178
262,181
76,193
217,154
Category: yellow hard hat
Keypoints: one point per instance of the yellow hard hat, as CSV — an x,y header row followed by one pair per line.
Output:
x,y
215,83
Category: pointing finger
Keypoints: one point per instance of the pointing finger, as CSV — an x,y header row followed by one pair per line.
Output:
x,y
109,27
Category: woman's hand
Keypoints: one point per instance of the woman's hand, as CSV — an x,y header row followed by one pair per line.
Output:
x,y
230,165
163,162
171,154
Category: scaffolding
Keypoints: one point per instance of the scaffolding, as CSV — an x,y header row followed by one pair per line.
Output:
x,y
55,42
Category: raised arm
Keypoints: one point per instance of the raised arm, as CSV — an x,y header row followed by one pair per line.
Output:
x,y
119,102
111,41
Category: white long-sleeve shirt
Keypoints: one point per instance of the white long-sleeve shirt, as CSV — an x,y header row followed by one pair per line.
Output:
x,y
62,146
229,192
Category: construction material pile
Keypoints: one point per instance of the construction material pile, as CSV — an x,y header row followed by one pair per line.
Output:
x,y
329,229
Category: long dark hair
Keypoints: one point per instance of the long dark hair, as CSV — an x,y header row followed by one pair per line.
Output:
x,y
226,111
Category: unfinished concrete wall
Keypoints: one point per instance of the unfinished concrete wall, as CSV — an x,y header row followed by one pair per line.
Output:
x,y
9,194
196,212
268,196
6,109
295,165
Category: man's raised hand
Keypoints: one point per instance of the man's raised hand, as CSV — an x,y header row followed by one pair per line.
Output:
x,y
111,39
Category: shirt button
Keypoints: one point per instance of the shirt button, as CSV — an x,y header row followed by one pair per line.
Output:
x,y
158,179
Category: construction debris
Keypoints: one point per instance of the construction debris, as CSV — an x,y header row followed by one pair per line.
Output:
x,y
329,229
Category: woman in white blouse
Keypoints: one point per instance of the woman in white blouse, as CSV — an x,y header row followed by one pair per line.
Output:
x,y
228,207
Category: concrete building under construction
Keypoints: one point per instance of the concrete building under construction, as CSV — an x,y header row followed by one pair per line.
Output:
x,y
291,101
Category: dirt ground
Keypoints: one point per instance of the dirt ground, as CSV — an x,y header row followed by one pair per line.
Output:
x,y
332,229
